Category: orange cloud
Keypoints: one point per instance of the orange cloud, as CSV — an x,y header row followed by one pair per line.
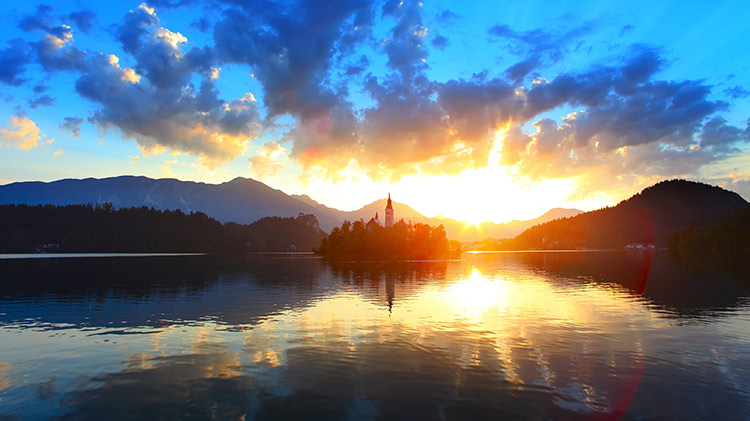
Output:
x,y
24,135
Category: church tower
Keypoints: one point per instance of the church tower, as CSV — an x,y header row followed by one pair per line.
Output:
x,y
389,213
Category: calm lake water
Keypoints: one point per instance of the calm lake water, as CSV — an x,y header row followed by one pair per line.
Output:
x,y
519,335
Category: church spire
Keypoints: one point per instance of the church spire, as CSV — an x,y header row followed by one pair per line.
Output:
x,y
389,213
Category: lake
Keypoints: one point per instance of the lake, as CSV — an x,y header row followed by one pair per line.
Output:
x,y
564,335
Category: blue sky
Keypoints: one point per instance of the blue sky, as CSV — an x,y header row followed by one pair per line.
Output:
x,y
542,104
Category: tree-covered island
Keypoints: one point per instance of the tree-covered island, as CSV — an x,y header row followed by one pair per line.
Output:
x,y
371,241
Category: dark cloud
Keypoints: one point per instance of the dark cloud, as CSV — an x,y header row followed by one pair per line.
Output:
x,y
625,29
42,101
440,42
161,60
478,107
156,102
183,119
540,46
39,20
717,133
518,71
38,89
407,125
202,24
13,60
55,51
303,55
134,26
84,20
290,48
447,17
168,4
405,47
358,67
72,125
640,68
540,41
737,92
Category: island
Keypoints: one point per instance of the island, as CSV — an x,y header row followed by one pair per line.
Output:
x,y
375,240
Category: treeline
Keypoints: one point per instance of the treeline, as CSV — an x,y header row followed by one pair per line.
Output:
x,y
727,233
646,218
104,229
360,241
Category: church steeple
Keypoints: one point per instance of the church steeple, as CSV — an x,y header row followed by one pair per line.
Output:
x,y
389,213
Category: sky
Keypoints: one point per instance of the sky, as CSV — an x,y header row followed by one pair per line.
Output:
x,y
481,110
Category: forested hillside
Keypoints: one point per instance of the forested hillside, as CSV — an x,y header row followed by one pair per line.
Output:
x,y
104,229
726,233
648,217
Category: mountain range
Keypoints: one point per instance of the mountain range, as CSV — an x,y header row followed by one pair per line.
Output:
x,y
241,200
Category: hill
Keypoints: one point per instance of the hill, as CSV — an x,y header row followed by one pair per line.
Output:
x,y
104,229
724,234
648,217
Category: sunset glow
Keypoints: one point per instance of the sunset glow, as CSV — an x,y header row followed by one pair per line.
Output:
x,y
545,112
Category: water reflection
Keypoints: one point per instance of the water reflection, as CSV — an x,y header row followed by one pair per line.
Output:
x,y
563,335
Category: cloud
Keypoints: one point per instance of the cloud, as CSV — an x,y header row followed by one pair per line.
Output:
x,y
312,58
716,133
518,71
180,118
291,48
39,20
737,92
42,101
54,50
157,103
631,124
202,24
538,46
57,153
13,60
440,42
264,163
24,135
72,125
83,19
625,29
135,25
447,17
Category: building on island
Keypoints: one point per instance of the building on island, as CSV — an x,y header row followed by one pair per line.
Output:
x,y
389,213
374,221
388,216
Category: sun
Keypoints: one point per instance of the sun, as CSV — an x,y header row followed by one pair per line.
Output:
x,y
472,222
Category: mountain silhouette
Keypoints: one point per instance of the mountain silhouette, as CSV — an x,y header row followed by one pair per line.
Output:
x,y
646,218
242,200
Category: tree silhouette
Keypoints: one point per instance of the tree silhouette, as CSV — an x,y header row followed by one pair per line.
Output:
x,y
360,241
